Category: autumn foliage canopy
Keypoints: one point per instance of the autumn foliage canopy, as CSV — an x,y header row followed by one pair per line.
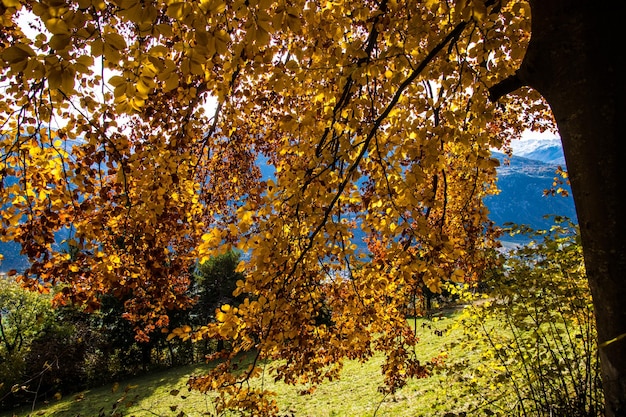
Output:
x,y
136,131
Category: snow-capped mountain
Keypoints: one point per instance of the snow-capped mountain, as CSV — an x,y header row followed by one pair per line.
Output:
x,y
522,180
542,148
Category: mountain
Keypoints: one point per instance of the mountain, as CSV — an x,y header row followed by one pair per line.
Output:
x,y
522,180
543,149
12,257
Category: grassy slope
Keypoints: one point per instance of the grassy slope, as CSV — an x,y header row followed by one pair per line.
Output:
x,y
355,394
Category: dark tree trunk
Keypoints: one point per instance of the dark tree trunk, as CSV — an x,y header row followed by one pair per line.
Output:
x,y
575,60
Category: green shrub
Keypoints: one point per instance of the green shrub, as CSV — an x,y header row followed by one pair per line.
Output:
x,y
23,315
535,332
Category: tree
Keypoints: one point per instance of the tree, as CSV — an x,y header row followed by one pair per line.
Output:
x,y
377,118
216,280
572,64
22,315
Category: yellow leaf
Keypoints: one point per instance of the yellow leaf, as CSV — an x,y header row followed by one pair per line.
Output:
x,y
218,6
15,219
55,78
137,103
115,41
159,51
164,29
144,87
97,47
84,63
17,53
262,36
117,80
178,10
67,81
220,316
59,42
171,83
57,26
458,275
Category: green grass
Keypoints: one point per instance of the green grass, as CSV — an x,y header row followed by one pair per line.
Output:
x,y
354,395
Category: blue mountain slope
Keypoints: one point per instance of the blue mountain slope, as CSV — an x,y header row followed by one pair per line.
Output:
x,y
522,183
12,257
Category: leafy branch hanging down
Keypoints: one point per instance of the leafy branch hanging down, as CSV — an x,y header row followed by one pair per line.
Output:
x,y
374,118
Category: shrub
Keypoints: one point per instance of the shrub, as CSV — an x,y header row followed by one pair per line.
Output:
x,y
23,315
535,331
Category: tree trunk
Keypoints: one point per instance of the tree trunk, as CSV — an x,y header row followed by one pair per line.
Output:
x,y
575,61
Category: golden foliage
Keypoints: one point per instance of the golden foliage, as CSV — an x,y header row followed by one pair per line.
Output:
x,y
139,127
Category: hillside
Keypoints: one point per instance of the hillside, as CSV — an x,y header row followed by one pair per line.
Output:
x,y
522,181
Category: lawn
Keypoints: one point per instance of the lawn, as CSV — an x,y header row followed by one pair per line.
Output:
x,y
164,393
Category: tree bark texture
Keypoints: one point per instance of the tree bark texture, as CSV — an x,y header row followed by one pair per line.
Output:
x,y
575,61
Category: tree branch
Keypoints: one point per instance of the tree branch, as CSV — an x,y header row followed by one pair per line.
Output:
x,y
504,87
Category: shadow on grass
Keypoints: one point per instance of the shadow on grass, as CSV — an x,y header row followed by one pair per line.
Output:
x,y
157,393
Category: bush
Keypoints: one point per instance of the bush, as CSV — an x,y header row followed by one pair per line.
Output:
x,y
535,331
60,353
46,351
23,315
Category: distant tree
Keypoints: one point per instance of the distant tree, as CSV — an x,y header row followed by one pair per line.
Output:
x,y
118,336
215,282
22,315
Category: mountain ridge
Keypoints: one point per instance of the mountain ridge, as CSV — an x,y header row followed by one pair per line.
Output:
x,y
522,179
